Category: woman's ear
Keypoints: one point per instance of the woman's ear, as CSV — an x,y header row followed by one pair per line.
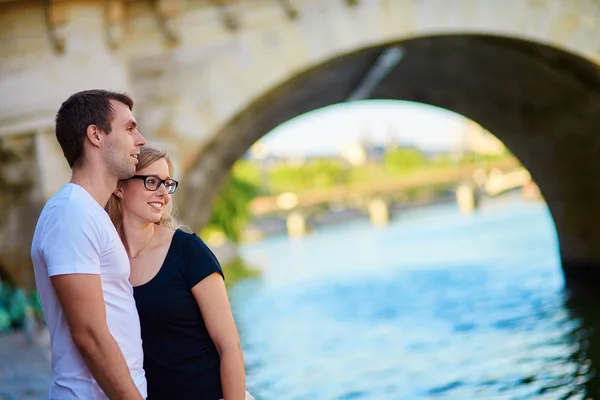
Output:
x,y
119,192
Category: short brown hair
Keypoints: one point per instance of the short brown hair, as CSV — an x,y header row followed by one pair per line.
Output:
x,y
82,109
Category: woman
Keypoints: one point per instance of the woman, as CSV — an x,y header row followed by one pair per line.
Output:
x,y
191,345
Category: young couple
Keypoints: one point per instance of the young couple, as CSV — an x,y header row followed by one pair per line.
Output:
x,y
136,308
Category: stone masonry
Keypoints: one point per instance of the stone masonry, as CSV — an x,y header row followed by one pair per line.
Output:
x,y
210,78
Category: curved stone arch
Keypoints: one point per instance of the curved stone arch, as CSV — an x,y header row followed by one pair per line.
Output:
x,y
192,90
254,60
241,68
210,80
542,102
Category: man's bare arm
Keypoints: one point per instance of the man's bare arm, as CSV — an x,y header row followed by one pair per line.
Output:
x,y
80,296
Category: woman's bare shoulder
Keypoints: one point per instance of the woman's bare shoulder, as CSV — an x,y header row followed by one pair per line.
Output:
x,y
165,235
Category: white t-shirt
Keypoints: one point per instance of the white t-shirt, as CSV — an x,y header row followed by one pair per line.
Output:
x,y
74,235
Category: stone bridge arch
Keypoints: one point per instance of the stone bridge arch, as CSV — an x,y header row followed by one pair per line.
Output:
x,y
543,103
211,77
540,96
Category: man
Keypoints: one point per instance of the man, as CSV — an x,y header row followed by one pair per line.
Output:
x,y
81,267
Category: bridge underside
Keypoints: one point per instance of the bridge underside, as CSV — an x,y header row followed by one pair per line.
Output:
x,y
21,202
543,103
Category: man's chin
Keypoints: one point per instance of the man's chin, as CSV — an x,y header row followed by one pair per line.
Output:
x,y
128,174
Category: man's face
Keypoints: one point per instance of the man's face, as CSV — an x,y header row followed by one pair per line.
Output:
x,y
123,143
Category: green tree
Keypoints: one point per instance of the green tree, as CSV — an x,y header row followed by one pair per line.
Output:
x,y
230,208
230,213
402,161
248,171
316,174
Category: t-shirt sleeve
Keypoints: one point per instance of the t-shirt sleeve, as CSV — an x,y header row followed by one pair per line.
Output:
x,y
72,242
201,261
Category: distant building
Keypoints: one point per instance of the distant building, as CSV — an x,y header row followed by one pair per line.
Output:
x,y
362,152
354,153
260,154
259,151
480,141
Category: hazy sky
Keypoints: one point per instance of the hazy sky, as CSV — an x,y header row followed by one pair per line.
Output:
x,y
326,130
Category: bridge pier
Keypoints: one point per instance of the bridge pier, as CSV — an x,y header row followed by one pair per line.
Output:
x,y
52,167
21,200
379,212
577,226
296,224
32,169
467,198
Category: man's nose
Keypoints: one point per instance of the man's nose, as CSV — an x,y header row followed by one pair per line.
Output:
x,y
141,140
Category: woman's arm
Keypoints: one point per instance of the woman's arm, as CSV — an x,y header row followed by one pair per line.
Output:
x,y
211,295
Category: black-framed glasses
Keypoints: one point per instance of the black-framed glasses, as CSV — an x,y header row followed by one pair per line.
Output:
x,y
153,182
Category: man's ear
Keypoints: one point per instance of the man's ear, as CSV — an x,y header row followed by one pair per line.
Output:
x,y
94,135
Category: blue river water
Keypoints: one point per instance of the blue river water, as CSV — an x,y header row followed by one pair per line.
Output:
x,y
437,304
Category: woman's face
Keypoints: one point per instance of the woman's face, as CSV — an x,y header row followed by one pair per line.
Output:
x,y
142,204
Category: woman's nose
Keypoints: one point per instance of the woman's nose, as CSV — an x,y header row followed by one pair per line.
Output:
x,y
162,190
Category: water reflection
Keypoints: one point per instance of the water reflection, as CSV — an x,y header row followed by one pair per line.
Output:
x,y
585,322
436,305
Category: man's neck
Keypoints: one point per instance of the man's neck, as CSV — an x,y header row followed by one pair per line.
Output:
x,y
96,181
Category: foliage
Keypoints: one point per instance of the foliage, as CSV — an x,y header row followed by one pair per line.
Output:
x,y
402,161
469,158
368,173
238,270
316,174
248,179
15,305
248,172
230,212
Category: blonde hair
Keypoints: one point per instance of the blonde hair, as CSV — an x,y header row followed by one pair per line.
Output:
x,y
148,155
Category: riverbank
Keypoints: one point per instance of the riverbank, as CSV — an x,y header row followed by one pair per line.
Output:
x,y
25,372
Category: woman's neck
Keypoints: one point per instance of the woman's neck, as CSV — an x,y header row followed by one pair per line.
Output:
x,y
139,236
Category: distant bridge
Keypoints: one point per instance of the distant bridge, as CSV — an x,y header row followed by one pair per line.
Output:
x,y
376,197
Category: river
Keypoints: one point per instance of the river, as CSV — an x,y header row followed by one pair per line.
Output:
x,y
435,305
